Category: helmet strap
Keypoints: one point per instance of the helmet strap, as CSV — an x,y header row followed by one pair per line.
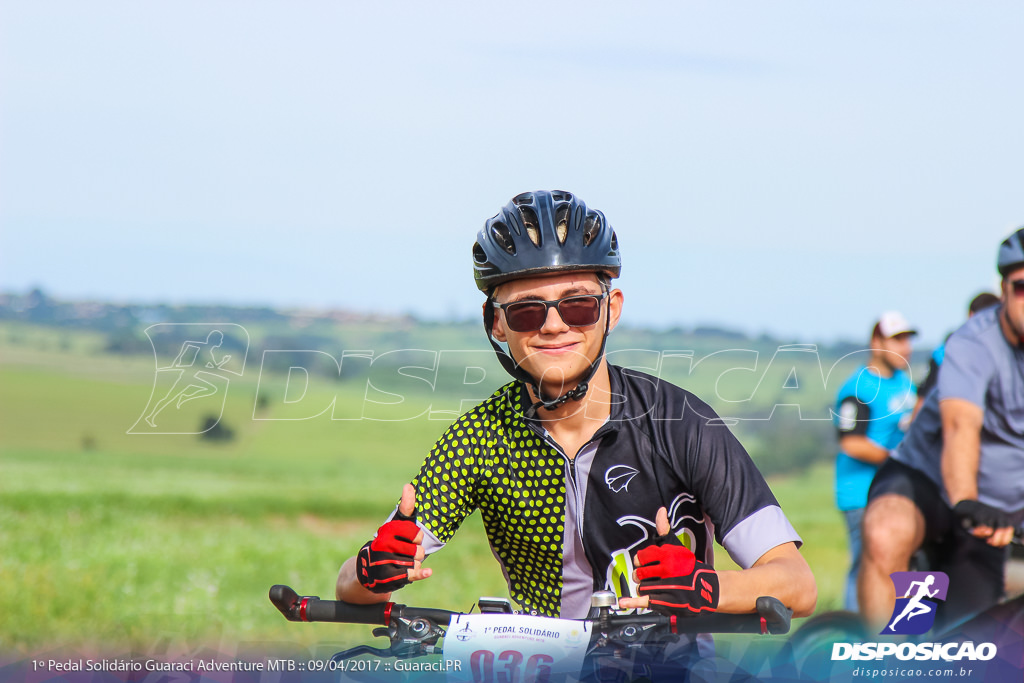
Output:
x,y
1019,341
575,394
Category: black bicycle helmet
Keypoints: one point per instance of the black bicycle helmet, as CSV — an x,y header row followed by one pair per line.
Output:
x,y
1011,253
544,232
535,234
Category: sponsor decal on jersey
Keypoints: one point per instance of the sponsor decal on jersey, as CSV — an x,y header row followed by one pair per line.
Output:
x,y
619,476
686,518
847,416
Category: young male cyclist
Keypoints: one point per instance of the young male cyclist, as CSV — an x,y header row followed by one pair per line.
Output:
x,y
958,476
587,476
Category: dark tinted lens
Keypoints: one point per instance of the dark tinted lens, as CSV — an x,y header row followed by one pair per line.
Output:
x,y
525,316
580,311
1018,287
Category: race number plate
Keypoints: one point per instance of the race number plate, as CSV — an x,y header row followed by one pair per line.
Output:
x,y
514,647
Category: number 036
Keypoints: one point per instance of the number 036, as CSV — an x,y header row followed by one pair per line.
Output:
x,y
505,668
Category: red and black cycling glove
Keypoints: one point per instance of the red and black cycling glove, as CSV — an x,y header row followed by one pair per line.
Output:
x,y
673,579
382,565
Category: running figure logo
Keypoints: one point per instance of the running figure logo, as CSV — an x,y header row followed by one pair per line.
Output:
x,y
198,375
914,612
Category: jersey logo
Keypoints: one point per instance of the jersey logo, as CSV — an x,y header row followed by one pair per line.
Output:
x,y
902,402
687,520
619,476
847,416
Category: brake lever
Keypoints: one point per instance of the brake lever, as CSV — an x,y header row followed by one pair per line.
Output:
x,y
410,637
339,657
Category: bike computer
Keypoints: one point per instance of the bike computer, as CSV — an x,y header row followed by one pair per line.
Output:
x,y
494,605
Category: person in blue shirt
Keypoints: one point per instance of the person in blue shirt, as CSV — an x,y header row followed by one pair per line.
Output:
x,y
873,410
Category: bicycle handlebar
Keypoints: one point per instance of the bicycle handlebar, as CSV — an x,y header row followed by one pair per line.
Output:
x,y
772,617
312,608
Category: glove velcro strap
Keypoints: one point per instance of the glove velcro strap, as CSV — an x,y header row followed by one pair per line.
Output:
x,y
672,578
695,593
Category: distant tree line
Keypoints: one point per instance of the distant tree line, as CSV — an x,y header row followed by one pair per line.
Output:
x,y
38,308
778,445
124,322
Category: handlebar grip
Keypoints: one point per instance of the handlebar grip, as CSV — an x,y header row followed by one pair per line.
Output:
x,y
285,600
312,608
343,612
775,616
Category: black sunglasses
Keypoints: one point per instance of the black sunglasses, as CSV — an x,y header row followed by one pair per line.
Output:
x,y
1018,287
580,310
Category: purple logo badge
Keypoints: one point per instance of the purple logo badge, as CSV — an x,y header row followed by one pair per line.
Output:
x,y
917,596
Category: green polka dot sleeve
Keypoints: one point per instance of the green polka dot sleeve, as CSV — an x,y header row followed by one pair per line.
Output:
x,y
446,487
491,460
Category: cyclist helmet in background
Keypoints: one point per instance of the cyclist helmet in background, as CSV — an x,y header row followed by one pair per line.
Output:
x,y
1011,253
535,234
544,232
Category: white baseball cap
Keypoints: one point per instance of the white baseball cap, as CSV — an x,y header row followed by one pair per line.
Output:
x,y
892,323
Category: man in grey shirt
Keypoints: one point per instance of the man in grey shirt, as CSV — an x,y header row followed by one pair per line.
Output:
x,y
957,479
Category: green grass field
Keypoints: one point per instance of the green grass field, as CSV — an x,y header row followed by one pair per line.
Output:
x,y
116,539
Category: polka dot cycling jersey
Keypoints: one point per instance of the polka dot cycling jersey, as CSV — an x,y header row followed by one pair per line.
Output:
x,y
492,460
660,447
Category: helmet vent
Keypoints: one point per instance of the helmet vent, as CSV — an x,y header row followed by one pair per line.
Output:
x,y
532,224
503,237
544,232
591,228
479,255
562,222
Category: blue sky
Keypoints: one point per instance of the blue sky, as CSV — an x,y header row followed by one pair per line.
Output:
x,y
793,167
